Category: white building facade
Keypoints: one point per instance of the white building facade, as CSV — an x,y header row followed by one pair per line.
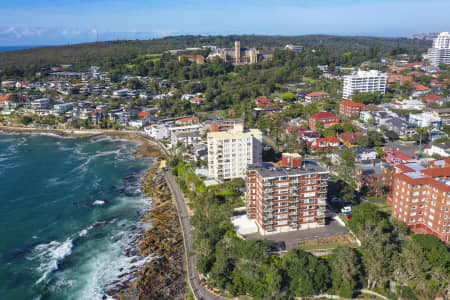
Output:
x,y
230,152
440,52
364,82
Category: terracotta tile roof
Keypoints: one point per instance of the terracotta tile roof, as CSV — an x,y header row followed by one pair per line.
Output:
x,y
420,87
5,98
188,119
433,97
407,78
413,64
351,103
437,172
317,94
322,115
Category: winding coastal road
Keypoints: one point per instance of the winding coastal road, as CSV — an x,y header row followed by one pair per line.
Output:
x,y
200,292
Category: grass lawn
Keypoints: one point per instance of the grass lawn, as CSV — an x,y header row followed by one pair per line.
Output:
x,y
384,207
330,242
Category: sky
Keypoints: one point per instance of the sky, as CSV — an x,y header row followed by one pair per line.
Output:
x,y
56,22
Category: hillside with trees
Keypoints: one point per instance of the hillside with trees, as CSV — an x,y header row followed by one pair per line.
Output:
x,y
92,53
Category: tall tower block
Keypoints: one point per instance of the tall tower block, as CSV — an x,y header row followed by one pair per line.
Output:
x,y
237,52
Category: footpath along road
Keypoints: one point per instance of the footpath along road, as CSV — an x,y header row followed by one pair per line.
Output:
x,y
201,293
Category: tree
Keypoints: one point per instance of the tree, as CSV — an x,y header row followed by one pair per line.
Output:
x,y
347,161
346,264
26,120
134,84
288,96
378,254
307,274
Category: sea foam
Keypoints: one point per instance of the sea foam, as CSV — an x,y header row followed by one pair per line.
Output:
x,y
50,255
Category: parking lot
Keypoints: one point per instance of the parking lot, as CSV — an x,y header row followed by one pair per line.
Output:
x,y
291,238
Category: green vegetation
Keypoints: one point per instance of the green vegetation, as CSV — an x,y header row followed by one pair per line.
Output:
x,y
240,266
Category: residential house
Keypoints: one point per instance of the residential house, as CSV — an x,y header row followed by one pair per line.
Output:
x,y
315,96
42,103
324,144
197,100
419,90
187,121
426,119
400,127
443,114
394,156
407,104
349,139
187,139
158,131
441,149
434,99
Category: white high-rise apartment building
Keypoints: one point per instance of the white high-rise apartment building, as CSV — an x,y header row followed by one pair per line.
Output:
x,y
364,82
440,52
230,152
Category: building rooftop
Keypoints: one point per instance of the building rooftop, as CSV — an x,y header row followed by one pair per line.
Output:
x,y
351,103
270,171
234,133
322,115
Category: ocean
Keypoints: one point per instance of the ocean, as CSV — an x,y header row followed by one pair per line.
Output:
x,y
15,48
69,209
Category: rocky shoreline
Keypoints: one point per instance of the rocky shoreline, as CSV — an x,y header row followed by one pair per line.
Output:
x,y
163,275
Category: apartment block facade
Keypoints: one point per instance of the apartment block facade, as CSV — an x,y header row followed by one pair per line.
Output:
x,y
291,196
364,82
421,197
326,118
230,152
440,52
350,109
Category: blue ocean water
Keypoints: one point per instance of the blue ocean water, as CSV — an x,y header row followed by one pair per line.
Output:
x,y
69,209
15,48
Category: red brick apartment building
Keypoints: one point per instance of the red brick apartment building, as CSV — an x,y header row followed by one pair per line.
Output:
x,y
350,109
290,196
326,118
421,197
225,125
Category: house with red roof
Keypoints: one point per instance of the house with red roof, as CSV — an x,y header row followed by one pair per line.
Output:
x,y
394,156
434,99
350,109
187,121
393,77
315,96
197,100
4,98
349,139
326,118
263,102
324,144
419,90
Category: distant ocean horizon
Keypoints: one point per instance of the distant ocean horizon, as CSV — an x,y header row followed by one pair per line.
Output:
x,y
15,48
